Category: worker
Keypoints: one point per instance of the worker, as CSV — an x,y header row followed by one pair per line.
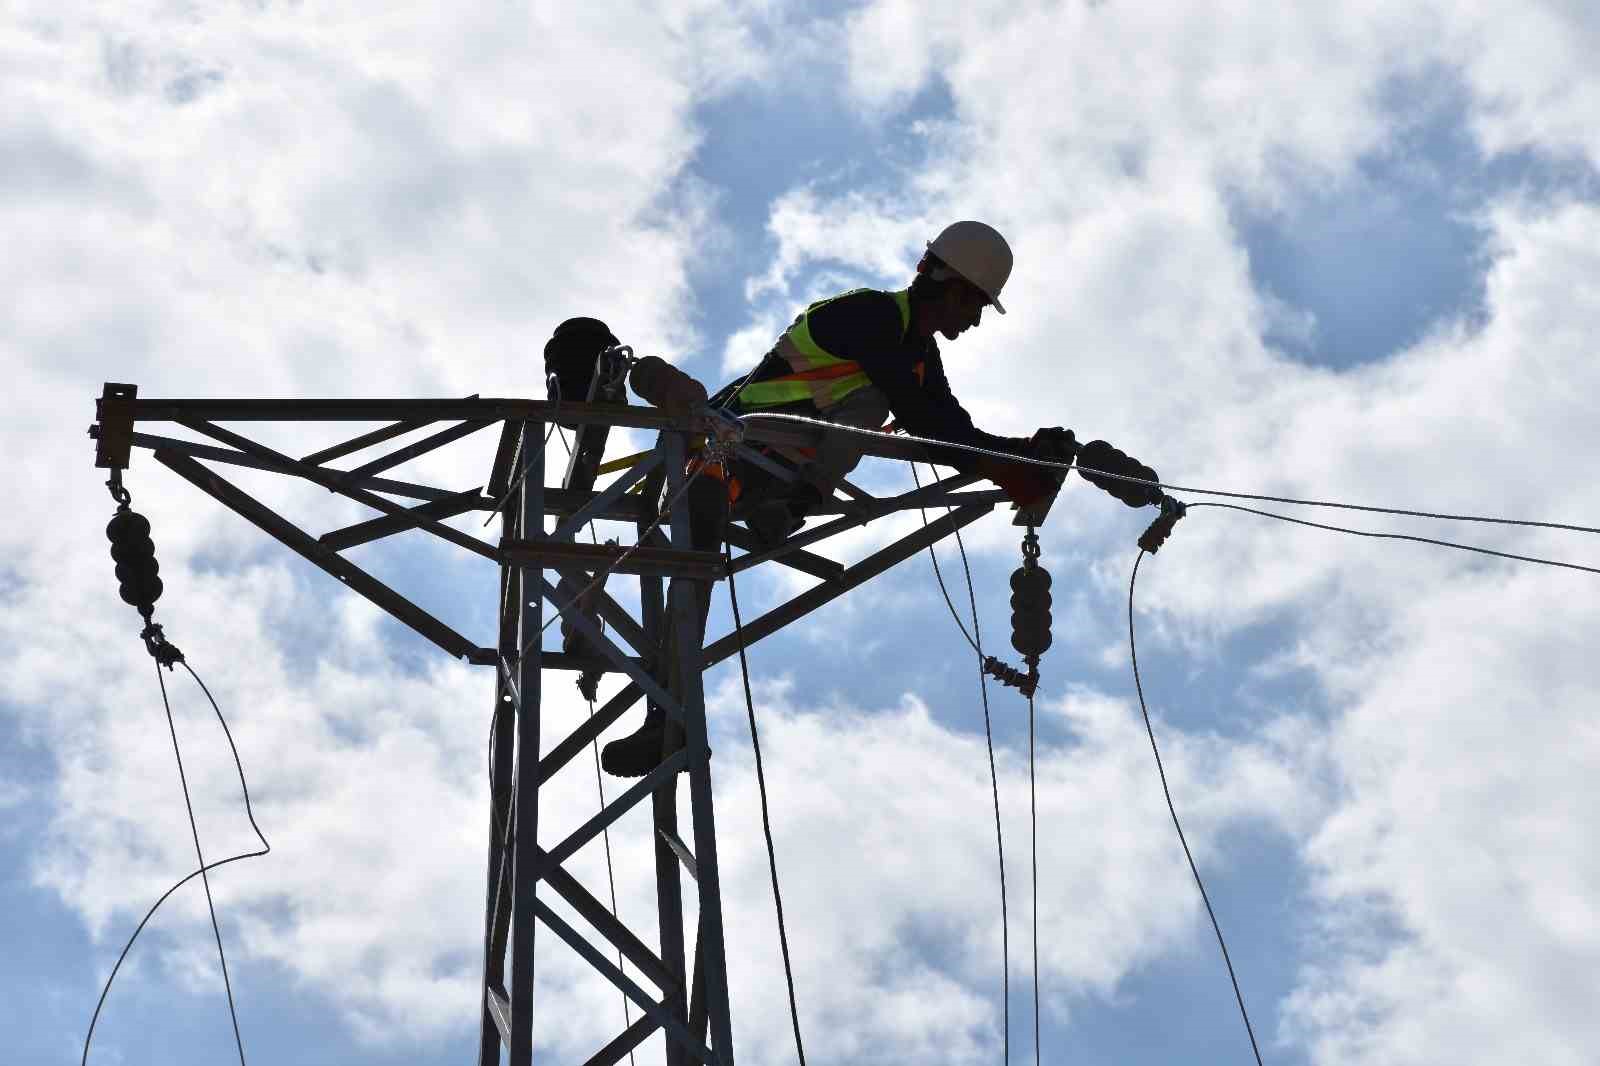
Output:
x,y
860,359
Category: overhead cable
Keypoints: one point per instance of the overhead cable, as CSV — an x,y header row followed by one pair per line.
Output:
x,y
1402,536
1056,465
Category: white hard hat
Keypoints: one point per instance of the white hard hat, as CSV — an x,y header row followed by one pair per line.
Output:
x,y
978,253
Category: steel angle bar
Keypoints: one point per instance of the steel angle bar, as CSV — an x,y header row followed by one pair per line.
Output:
x,y
386,410
615,809
526,515
508,675
683,616
613,558
628,508
608,925
681,850
235,499
795,558
660,616
697,995
499,1008
856,493
675,1029
197,450
961,499
755,458
615,615
329,480
882,507
861,572
601,500
366,440
378,528
493,1028
415,449
560,660
602,643
626,1041
505,456
588,731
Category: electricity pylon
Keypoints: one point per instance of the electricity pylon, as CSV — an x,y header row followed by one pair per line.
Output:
x,y
663,661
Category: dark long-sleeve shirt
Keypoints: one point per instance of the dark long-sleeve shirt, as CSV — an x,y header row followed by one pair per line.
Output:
x,y
865,327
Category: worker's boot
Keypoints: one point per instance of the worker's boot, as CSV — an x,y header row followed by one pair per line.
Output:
x,y
776,520
642,751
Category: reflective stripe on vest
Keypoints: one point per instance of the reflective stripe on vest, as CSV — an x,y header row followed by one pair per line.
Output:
x,y
816,374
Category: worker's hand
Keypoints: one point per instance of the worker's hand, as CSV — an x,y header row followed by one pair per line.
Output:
x,y
1054,442
1026,485
1097,458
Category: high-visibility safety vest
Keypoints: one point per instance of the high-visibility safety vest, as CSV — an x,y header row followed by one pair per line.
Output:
x,y
816,374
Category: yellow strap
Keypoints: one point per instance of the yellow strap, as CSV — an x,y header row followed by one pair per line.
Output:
x,y
622,464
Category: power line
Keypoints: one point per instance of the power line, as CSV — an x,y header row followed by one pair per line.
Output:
x,y
1404,536
201,872
976,640
1033,834
766,823
1133,653
1055,465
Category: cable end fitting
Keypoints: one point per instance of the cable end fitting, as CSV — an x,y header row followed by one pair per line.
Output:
x,y
1009,675
155,641
1154,537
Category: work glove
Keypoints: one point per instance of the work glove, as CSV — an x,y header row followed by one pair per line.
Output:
x,y
1025,485
1054,443
1098,455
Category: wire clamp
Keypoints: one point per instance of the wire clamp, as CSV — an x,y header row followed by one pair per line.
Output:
x,y
721,427
1027,682
1155,536
163,651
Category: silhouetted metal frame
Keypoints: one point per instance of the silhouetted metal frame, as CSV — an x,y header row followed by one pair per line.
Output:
x,y
692,1009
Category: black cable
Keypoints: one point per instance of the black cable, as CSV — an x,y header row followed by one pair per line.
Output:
x,y
994,777
1405,536
611,877
1033,830
936,572
1056,465
205,878
1171,809
766,823
201,872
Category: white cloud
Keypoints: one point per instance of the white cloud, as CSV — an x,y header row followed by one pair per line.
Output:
x,y
276,202
885,841
1444,874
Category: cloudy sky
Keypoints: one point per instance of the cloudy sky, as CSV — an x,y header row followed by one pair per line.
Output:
x,y
1344,251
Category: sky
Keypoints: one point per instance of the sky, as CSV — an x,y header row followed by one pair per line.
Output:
x,y
1342,252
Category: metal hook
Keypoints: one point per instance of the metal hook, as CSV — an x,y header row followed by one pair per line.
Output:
x,y
118,492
